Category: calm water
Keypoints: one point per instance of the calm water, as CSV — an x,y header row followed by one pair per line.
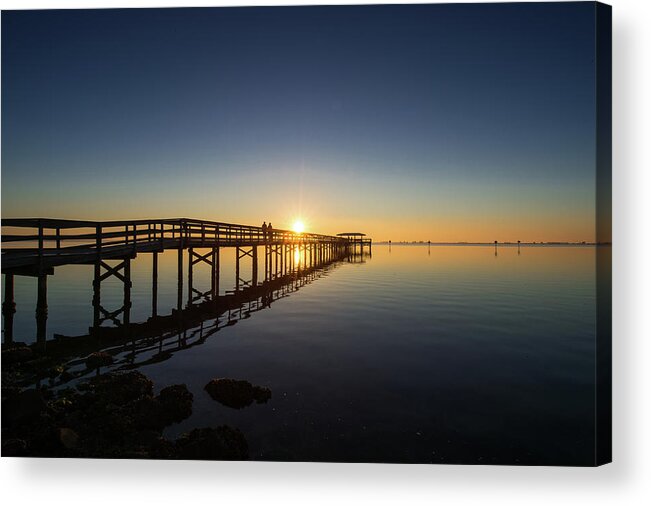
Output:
x,y
450,354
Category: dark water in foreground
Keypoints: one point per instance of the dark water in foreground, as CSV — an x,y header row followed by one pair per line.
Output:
x,y
447,355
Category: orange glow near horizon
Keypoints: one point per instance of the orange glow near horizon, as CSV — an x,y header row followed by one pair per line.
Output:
x,y
324,207
571,227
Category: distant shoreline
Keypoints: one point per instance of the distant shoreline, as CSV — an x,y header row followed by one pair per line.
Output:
x,y
550,243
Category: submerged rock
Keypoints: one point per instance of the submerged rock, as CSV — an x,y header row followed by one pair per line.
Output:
x,y
236,394
16,354
175,403
121,387
66,376
55,371
172,405
221,443
162,448
24,406
68,437
9,391
14,447
98,359
116,415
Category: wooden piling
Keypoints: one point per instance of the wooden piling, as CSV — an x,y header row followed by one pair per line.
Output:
x,y
190,272
213,275
9,308
217,269
237,269
179,284
254,267
97,286
41,308
126,301
154,284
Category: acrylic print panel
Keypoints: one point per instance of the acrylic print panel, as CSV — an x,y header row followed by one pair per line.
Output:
x,y
342,233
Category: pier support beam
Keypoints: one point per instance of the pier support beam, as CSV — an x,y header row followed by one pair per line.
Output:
x,y
96,295
214,274
217,271
126,300
9,308
254,269
122,271
241,252
190,276
154,284
281,257
41,308
237,269
179,280
274,263
211,258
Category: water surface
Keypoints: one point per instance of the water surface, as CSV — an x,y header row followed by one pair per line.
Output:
x,y
450,354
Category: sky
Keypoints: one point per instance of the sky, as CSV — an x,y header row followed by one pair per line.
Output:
x,y
423,122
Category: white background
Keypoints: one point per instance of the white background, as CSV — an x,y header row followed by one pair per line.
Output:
x,y
626,481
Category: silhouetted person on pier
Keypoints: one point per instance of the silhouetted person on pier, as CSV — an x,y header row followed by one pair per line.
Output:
x,y
264,231
270,231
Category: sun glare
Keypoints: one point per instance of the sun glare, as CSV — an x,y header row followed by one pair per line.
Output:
x,y
298,227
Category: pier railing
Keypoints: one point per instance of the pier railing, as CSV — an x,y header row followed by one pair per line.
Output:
x,y
107,233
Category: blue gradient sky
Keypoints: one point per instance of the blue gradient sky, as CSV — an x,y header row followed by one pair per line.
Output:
x,y
441,122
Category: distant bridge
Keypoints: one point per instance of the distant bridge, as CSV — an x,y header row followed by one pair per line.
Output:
x,y
35,246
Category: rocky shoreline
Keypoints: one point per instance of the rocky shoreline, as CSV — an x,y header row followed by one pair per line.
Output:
x,y
115,415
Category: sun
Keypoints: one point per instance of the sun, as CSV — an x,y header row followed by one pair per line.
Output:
x,y
298,227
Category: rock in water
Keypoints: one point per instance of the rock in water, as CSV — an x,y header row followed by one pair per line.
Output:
x,y
120,388
25,406
175,403
261,394
68,437
98,359
15,354
221,443
236,394
14,448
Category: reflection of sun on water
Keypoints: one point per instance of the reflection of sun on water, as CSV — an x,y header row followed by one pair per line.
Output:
x,y
298,227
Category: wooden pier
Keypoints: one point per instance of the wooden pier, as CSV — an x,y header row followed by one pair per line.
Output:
x,y
35,247
357,241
